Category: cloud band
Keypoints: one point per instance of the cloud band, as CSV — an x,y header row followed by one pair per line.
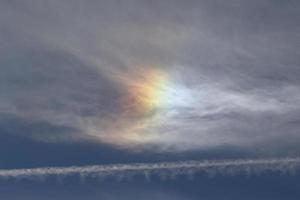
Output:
x,y
163,169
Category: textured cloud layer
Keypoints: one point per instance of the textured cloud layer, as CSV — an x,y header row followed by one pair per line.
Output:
x,y
138,74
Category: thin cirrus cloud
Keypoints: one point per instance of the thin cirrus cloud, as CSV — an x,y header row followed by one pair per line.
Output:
x,y
174,76
164,169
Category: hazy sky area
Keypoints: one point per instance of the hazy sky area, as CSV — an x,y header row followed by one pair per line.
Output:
x,y
158,82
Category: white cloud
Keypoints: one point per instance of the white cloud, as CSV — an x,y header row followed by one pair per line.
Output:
x,y
163,169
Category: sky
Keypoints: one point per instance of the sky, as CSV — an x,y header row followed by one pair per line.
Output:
x,y
149,99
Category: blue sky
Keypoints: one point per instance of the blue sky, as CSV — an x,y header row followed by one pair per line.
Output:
x,y
119,82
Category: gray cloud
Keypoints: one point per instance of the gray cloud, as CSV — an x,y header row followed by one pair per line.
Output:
x,y
237,61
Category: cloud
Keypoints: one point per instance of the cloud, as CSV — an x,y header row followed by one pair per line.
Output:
x,y
230,72
164,169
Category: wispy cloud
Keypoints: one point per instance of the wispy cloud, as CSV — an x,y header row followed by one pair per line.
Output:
x,y
163,169
221,74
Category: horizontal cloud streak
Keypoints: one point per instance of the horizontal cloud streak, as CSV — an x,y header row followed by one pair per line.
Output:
x,y
163,169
